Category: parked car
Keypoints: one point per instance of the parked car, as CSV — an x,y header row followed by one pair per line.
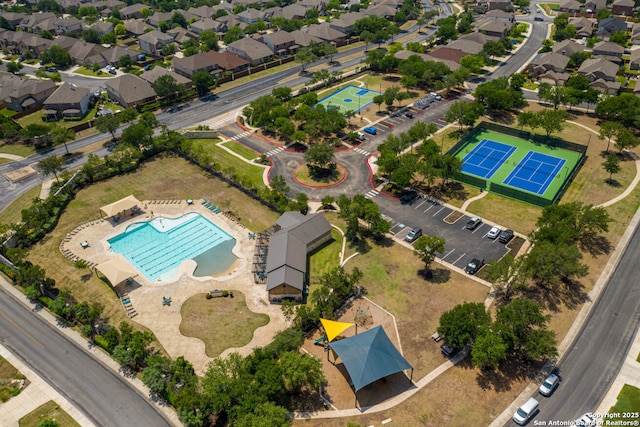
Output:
x,y
408,197
413,234
538,18
586,420
361,136
148,67
112,71
505,236
370,130
473,223
494,232
473,266
410,115
526,411
142,57
549,385
435,96
446,350
52,69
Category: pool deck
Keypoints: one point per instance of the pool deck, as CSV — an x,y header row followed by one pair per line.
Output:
x,y
146,296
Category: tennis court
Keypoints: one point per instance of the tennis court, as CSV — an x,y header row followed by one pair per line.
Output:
x,y
514,167
535,172
349,98
486,158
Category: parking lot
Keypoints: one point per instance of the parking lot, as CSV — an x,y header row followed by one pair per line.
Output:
x,y
461,244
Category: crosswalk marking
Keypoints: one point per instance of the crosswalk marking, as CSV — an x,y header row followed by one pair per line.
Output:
x,y
226,120
371,194
240,135
274,151
361,151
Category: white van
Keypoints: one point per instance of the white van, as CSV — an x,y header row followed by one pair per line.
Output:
x,y
361,136
524,413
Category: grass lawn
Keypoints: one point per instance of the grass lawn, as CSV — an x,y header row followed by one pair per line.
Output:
x,y
303,175
628,401
327,257
220,323
231,164
8,372
8,113
12,213
17,149
165,177
49,410
88,72
241,150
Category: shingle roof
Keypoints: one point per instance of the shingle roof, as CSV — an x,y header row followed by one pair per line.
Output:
x,y
67,94
227,60
252,48
131,88
156,72
195,62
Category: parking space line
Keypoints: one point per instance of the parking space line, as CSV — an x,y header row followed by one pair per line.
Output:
x,y
423,202
430,207
459,258
448,253
439,210
477,228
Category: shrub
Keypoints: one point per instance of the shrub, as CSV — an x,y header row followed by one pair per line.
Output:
x,y
208,296
225,293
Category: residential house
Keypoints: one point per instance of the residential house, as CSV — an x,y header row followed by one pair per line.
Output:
x,y
31,43
499,4
634,61
304,39
248,2
506,17
599,68
383,10
286,267
478,37
202,11
281,43
102,27
325,32
14,18
129,90
206,24
67,25
251,50
112,55
635,34
606,86
609,26
469,47
293,11
137,28
155,19
133,12
30,22
593,6
81,51
110,4
227,62
251,16
181,35
69,101
448,53
64,42
405,54
553,78
319,5
549,61
190,65
153,42
492,27
608,50
346,22
623,7
229,21
569,6
28,93
584,27
68,5
567,47
156,72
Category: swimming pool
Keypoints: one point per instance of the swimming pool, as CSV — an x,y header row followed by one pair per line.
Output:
x,y
157,247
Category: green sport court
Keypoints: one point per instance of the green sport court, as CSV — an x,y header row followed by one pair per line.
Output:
x,y
517,168
349,98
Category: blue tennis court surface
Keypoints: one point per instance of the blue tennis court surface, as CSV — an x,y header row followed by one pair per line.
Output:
x,y
486,158
535,172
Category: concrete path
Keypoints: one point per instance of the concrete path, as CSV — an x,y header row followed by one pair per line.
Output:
x,y
10,156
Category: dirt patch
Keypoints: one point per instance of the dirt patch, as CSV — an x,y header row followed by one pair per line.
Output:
x,y
453,217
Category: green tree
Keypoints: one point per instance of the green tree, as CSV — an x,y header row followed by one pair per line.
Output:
x,y
62,135
91,36
625,140
506,275
570,223
233,34
202,81
178,19
51,165
167,86
329,51
426,248
168,49
120,30
108,123
305,56
608,130
266,414
463,323
301,371
550,264
320,155
612,165
551,120
209,40
14,67
56,55
473,63
137,135
125,62
489,349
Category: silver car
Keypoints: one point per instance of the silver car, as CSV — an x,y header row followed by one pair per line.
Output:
x,y
549,385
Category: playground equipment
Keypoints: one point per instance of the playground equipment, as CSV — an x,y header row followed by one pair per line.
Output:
x,y
321,340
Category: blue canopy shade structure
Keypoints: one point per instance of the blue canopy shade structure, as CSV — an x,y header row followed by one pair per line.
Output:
x,y
369,356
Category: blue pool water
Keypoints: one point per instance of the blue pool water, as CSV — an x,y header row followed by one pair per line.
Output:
x,y
156,248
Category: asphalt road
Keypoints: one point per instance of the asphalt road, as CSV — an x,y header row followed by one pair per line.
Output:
x,y
101,394
591,365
